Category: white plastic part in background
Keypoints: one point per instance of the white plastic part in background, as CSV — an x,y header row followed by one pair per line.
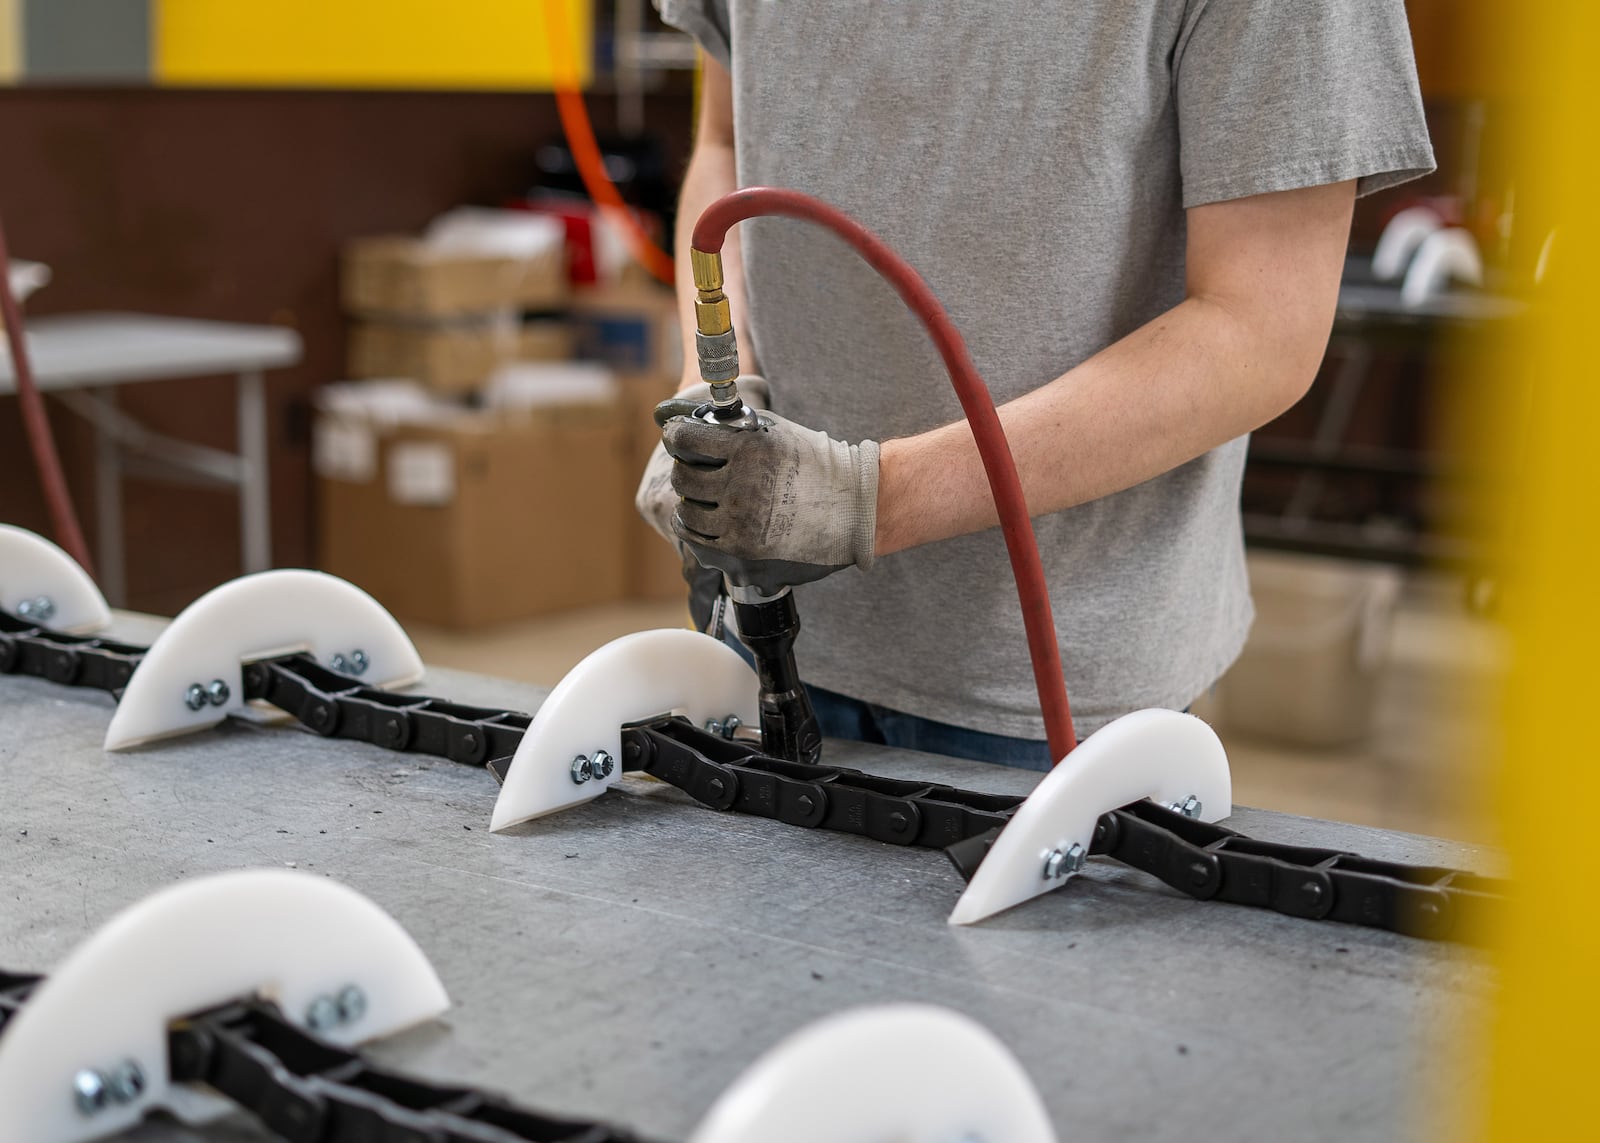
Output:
x,y
1446,257
1400,239
289,937
1157,754
634,677
31,567
903,1073
255,617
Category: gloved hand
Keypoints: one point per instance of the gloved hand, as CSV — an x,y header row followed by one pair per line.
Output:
x,y
655,499
775,506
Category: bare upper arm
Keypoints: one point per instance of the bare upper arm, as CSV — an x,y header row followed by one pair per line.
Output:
x,y
716,105
1274,261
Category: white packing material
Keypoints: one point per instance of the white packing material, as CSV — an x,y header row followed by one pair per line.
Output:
x,y
542,384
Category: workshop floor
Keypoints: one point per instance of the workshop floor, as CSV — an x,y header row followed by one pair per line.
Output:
x,y
1424,769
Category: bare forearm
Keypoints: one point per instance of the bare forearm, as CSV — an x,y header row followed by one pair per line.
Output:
x,y
1187,382
1262,284
711,174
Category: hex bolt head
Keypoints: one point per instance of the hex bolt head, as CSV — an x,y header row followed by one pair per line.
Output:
x,y
338,663
359,661
41,609
126,1084
322,1014
195,697
1061,862
1190,807
730,724
89,1091
581,770
218,692
601,764
352,1004
714,725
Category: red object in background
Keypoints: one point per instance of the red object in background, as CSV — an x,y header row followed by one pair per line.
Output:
x,y
578,216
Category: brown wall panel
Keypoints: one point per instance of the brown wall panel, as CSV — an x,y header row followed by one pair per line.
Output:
x,y
232,205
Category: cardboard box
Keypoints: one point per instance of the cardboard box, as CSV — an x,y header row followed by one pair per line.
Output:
x,y
451,358
482,519
654,569
632,327
399,277
546,339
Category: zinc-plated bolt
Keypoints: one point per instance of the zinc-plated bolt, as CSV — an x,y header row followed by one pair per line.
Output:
x,y
714,725
195,697
359,661
730,724
126,1084
1060,862
217,692
41,608
1190,807
352,1004
322,1014
601,764
339,663
89,1091
581,770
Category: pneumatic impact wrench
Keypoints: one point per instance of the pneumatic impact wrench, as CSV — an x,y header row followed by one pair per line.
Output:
x,y
764,611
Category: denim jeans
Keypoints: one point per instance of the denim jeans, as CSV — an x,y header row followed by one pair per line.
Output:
x,y
840,716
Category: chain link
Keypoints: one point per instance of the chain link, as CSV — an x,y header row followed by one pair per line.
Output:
x,y
68,660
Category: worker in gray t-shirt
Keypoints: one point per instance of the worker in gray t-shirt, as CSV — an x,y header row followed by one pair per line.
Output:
x,y
1136,211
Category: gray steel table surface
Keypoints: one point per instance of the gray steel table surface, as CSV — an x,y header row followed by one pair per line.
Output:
x,y
626,959
97,352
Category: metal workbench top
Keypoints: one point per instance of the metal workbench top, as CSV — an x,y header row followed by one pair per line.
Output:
x,y
625,960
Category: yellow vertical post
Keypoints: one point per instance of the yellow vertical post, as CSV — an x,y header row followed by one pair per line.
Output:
x,y
10,40
1544,1048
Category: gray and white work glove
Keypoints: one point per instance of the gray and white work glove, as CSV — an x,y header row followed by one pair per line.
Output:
x,y
774,506
655,500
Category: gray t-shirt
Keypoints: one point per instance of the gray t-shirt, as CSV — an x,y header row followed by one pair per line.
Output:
x,y
1033,161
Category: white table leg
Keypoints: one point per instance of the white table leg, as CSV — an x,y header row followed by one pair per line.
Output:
x,y
109,554
255,515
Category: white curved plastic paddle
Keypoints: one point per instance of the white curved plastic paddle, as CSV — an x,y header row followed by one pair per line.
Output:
x,y
295,938
1445,257
254,617
902,1073
40,579
1400,239
637,676
1157,754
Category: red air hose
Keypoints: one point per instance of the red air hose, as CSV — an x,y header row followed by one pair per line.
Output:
x,y
64,518
1032,591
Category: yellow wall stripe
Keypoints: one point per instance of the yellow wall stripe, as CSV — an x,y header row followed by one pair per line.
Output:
x,y
405,44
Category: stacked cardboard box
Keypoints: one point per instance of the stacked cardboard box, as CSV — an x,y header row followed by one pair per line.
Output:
x,y
467,517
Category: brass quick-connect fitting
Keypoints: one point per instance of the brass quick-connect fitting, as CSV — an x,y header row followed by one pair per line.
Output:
x,y
713,340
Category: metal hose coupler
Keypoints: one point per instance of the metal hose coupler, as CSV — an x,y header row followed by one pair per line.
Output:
x,y
714,345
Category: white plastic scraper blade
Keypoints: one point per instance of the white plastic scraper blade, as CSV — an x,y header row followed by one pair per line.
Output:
x,y
634,677
1157,754
254,617
32,569
910,1073
291,937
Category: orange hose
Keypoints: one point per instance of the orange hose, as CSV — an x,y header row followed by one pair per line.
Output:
x,y
575,124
